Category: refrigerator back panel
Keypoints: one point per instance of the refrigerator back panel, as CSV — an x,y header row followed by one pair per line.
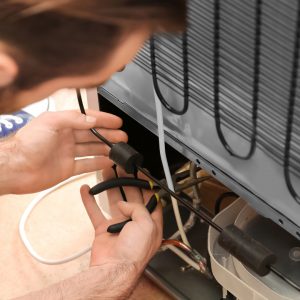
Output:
x,y
238,67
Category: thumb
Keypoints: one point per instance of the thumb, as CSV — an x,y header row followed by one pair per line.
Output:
x,y
136,211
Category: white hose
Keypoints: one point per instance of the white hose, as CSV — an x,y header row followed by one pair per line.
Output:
x,y
27,213
162,150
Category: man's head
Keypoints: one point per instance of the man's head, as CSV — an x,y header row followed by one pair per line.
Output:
x,y
52,44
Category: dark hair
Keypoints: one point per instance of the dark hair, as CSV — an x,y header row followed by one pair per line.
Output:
x,y
53,38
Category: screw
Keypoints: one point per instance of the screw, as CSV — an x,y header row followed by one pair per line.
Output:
x,y
186,268
295,254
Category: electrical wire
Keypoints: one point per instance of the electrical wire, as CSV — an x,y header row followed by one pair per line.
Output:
x,y
185,76
162,150
93,130
184,257
194,254
114,167
196,188
177,244
196,200
196,197
28,211
255,80
199,213
170,185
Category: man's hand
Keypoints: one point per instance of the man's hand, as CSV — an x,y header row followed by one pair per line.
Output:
x,y
43,153
117,260
139,239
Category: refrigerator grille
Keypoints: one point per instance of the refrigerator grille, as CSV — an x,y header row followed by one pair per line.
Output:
x,y
245,54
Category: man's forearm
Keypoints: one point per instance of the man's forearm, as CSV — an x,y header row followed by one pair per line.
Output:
x,y
110,281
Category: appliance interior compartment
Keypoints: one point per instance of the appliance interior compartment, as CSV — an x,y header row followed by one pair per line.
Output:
x,y
238,68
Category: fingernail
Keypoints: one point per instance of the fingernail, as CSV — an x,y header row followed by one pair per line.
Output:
x,y
90,119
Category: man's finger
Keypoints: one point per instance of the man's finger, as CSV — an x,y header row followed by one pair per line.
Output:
x,y
114,136
139,214
108,173
133,194
91,149
145,193
87,165
105,120
136,211
157,216
75,120
91,207
114,195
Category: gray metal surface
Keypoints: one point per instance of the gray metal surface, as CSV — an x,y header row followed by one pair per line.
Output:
x,y
260,180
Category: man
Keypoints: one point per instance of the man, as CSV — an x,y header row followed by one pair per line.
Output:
x,y
52,44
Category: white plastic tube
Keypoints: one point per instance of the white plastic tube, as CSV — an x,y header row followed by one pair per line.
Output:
x,y
162,150
27,213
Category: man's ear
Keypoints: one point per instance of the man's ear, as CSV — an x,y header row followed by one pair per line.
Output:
x,y
8,69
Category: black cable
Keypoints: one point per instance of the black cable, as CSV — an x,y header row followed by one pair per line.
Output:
x,y
121,188
80,102
135,174
185,77
221,198
185,203
126,181
121,181
93,130
255,80
290,117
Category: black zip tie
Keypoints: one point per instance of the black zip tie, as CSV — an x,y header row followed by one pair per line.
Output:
x,y
114,167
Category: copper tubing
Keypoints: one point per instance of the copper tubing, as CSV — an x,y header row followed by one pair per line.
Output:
x,y
177,244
